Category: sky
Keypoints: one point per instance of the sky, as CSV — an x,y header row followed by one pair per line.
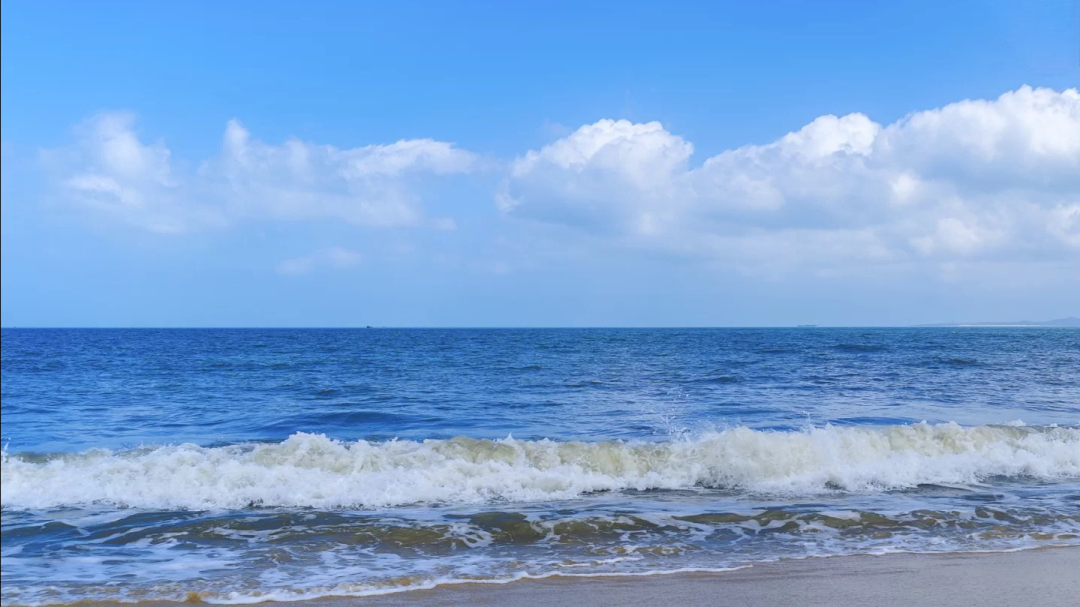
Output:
x,y
484,164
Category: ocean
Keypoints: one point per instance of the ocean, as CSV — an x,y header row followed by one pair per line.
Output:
x,y
239,466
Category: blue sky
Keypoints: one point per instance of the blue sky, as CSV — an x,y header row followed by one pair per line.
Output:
x,y
547,164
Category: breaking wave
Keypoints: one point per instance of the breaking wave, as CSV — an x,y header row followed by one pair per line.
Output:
x,y
311,470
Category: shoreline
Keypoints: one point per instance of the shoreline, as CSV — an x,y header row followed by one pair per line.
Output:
x,y
1038,577
1041,576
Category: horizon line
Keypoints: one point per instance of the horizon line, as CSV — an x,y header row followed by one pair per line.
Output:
x,y
533,327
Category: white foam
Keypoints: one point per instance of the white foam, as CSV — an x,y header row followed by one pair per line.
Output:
x,y
313,470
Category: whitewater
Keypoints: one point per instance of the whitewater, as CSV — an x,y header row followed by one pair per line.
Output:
x,y
311,470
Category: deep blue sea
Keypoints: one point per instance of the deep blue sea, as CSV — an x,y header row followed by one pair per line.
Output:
x,y
247,465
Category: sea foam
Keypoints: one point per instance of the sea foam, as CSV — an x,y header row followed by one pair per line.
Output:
x,y
311,470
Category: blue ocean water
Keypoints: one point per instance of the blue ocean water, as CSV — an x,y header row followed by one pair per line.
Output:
x,y
245,465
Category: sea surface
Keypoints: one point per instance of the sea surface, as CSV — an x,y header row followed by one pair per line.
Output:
x,y
239,466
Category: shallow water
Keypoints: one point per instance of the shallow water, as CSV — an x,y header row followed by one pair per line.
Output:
x,y
243,465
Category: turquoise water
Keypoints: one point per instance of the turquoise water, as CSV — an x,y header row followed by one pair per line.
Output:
x,y
246,465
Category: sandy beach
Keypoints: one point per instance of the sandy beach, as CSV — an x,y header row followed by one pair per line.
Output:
x,y
1045,578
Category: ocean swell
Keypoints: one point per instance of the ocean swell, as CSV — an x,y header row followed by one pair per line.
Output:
x,y
311,470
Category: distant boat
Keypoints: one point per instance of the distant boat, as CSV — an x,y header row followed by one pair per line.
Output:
x,y
806,326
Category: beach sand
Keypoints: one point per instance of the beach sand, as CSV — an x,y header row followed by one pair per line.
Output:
x,y
1049,577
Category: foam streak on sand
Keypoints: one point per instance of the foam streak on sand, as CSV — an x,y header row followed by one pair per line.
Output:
x,y
313,470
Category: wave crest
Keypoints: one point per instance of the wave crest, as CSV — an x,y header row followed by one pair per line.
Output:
x,y
311,470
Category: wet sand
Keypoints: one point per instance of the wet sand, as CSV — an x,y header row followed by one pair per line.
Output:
x,y
1049,577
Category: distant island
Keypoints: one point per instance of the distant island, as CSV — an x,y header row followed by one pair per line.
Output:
x,y
1070,321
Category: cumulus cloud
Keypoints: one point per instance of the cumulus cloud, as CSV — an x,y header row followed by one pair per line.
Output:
x,y
975,181
971,180
335,258
603,172
111,169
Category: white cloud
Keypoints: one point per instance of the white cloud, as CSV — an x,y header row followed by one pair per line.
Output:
x,y
596,173
978,181
971,180
110,169
335,258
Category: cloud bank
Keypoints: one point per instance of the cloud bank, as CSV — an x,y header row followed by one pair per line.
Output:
x,y
974,181
111,170
986,180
